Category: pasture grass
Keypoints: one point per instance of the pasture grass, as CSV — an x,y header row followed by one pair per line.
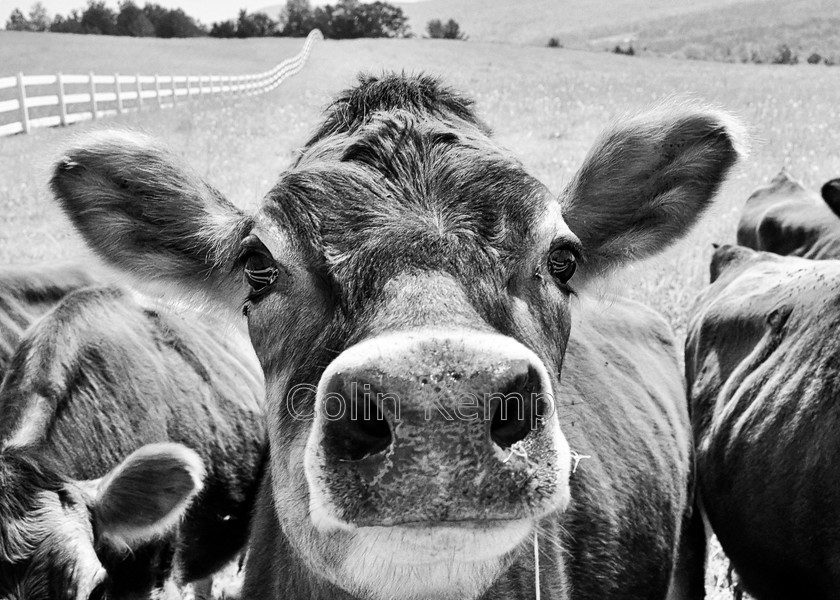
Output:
x,y
545,105
47,53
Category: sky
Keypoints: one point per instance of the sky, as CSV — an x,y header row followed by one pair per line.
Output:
x,y
205,11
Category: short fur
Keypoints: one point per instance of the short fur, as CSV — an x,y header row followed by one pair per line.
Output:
x,y
103,374
763,383
403,217
785,218
27,292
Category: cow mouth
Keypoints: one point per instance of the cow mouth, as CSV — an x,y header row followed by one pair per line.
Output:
x,y
428,543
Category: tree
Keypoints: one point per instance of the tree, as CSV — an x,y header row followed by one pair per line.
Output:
x,y
97,18
263,24
172,23
380,19
297,18
322,18
72,23
223,29
132,21
450,30
254,25
39,20
17,22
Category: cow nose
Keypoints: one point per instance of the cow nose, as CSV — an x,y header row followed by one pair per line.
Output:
x,y
434,426
512,407
370,400
355,425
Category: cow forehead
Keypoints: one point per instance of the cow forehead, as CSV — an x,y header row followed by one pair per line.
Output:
x,y
410,191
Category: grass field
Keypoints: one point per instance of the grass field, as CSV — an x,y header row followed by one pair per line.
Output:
x,y
546,105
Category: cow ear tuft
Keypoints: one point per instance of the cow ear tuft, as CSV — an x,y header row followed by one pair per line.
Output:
x,y
147,494
647,181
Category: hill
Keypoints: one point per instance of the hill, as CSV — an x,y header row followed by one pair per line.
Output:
x,y
726,30
535,21
740,32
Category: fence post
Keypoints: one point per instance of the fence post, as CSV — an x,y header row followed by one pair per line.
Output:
x,y
174,91
24,110
157,90
92,97
139,93
62,106
189,88
119,94
200,85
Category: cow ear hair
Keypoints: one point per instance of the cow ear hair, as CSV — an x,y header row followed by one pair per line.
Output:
x,y
647,181
146,495
147,214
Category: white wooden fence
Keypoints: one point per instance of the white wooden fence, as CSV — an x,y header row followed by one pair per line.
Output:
x,y
125,93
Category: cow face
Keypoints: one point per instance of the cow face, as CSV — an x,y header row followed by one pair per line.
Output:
x,y
70,540
408,289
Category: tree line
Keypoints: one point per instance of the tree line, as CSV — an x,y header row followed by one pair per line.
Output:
x,y
345,19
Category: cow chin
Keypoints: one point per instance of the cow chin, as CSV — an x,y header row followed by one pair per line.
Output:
x,y
442,562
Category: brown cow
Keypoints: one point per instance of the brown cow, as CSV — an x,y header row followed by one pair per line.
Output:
x,y
100,375
763,369
27,293
409,289
786,218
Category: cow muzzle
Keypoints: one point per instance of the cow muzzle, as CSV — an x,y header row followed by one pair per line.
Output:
x,y
435,429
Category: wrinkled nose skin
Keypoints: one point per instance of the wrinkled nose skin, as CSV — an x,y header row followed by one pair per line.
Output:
x,y
433,428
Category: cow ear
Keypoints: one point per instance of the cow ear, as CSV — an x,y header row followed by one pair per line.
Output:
x,y
647,181
146,495
150,216
831,194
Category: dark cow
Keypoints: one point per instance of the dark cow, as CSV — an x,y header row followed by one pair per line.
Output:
x,y
786,218
53,526
28,292
408,290
99,376
763,369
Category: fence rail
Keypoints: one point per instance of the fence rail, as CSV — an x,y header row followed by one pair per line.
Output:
x,y
124,93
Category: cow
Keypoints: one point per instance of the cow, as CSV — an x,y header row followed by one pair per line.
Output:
x,y
408,289
762,370
786,218
28,292
105,372
52,525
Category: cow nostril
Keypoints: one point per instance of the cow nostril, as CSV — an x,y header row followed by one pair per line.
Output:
x,y
514,409
361,428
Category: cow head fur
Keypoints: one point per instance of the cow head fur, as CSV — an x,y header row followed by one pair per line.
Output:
x,y
407,286
67,540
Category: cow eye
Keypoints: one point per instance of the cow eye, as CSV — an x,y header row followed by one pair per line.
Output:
x,y
261,272
562,264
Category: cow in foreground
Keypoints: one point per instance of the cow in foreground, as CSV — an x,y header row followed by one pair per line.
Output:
x,y
762,364
101,375
409,292
786,218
